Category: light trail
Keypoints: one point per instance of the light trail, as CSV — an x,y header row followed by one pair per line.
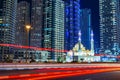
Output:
x,y
32,47
58,74
44,49
75,73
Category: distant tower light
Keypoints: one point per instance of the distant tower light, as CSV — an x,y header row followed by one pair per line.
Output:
x,y
92,33
79,33
92,39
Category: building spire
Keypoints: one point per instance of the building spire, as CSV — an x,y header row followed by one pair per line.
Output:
x,y
79,39
79,36
92,43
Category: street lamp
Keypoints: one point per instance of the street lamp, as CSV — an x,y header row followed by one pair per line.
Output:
x,y
28,28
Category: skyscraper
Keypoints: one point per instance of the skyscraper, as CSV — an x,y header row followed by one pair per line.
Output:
x,y
48,25
23,18
58,29
109,25
36,23
7,27
53,31
85,26
72,23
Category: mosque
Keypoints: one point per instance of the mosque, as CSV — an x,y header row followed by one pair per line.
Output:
x,y
80,54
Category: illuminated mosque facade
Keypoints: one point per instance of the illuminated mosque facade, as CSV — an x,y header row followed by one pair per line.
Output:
x,y
80,54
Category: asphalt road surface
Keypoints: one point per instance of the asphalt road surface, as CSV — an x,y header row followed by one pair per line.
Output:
x,y
115,75
60,72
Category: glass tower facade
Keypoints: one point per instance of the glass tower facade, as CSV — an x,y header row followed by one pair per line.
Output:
x,y
22,19
7,27
72,23
36,23
53,31
85,22
47,23
58,29
109,25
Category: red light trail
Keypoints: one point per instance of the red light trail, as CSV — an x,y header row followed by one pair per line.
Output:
x,y
43,49
58,74
31,47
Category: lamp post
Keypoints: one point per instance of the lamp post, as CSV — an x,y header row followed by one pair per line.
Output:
x,y
28,28
2,54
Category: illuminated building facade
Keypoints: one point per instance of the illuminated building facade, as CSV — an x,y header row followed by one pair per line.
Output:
x,y
109,26
36,23
79,52
58,37
72,22
7,27
22,20
85,26
47,23
53,26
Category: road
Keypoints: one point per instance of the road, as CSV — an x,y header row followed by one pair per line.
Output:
x,y
114,75
59,72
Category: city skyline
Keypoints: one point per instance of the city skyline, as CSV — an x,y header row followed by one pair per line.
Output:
x,y
60,39
48,28
94,6
56,24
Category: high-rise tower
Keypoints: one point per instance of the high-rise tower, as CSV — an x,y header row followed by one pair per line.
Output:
x,y
7,27
53,26
36,23
85,26
23,18
72,23
109,25
47,23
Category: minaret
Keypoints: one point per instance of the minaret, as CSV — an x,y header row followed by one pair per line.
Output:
x,y
79,40
92,43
